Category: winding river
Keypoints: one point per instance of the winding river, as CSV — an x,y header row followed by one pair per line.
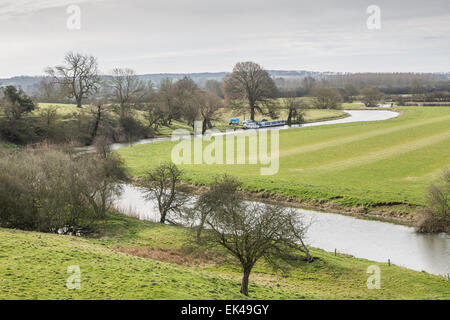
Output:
x,y
372,240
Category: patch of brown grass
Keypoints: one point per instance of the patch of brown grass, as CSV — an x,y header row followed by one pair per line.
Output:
x,y
187,256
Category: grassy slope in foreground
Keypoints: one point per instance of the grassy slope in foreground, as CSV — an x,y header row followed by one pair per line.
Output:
x,y
355,164
34,266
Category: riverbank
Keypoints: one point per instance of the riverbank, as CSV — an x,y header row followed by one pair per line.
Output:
x,y
398,214
133,259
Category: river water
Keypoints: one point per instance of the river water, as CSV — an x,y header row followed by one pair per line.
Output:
x,y
372,240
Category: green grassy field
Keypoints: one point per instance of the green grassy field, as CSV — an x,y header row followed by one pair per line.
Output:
x,y
61,108
132,259
356,164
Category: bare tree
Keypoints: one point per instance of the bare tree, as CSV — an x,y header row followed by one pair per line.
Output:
x,y
104,171
49,91
294,106
214,86
154,115
223,191
435,217
79,76
98,111
249,232
250,82
127,88
326,97
187,93
161,184
418,89
47,119
167,101
371,97
209,105
308,83
155,107
295,110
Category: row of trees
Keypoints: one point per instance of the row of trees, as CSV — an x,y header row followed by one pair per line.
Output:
x,y
78,78
248,86
330,98
114,106
107,107
391,83
21,122
387,83
252,84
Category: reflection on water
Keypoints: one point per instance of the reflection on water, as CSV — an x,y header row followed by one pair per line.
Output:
x,y
372,240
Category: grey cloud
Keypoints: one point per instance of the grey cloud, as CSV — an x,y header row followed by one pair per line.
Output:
x,y
189,36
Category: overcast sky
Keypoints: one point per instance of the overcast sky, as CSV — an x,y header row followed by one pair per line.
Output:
x,y
183,36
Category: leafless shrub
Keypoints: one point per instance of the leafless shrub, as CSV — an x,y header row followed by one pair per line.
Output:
x,y
51,191
100,175
435,217
326,97
371,97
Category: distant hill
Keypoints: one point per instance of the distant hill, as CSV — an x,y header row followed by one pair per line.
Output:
x,y
30,83
27,83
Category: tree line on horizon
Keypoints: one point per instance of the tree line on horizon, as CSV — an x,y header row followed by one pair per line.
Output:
x,y
117,108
